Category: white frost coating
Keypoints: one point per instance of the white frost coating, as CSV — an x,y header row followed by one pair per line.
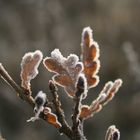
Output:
x,y
87,30
36,117
37,55
38,109
101,97
97,81
72,60
56,54
29,66
107,87
85,85
117,84
70,66
111,131
47,110
98,67
94,43
41,95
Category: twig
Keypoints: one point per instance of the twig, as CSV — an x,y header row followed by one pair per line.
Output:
x,y
75,119
23,94
60,113
78,123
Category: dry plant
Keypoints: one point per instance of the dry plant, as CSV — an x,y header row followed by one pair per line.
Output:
x,y
76,76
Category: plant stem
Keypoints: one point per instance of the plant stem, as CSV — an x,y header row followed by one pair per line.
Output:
x,y
59,111
77,123
23,94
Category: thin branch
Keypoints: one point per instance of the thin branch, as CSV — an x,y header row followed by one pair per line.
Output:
x,y
78,123
59,111
23,94
75,118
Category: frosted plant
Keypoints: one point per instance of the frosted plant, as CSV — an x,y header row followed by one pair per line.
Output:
x,y
40,101
112,133
66,70
90,57
76,76
29,67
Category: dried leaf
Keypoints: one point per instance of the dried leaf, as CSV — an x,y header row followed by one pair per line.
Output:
x,y
66,70
112,90
106,95
85,111
29,67
51,118
90,57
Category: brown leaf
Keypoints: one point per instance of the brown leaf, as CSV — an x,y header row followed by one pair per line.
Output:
x,y
93,81
90,57
51,118
64,80
54,66
29,67
106,95
112,90
66,70
85,111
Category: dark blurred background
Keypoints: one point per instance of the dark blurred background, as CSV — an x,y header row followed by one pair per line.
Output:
x,y
27,25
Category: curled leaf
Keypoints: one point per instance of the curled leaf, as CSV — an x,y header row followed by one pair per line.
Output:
x,y
51,117
90,57
112,133
111,89
106,95
29,67
66,70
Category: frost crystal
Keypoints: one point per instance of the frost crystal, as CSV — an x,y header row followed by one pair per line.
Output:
x,y
66,70
90,57
40,101
29,67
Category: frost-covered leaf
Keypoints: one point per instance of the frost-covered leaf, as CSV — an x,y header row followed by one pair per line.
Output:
x,y
112,133
29,67
51,117
106,95
66,70
90,57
